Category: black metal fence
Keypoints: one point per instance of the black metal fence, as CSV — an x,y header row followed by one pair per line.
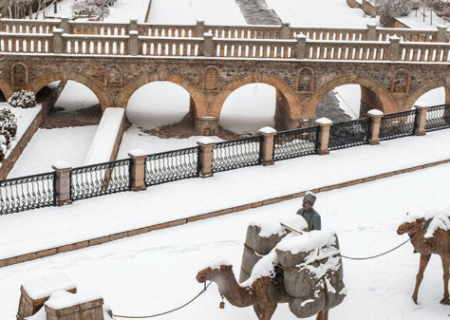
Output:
x,y
295,143
172,166
438,118
396,125
235,154
100,179
27,193
349,134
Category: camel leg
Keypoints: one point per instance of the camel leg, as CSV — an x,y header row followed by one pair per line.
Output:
x,y
424,259
322,315
264,312
445,266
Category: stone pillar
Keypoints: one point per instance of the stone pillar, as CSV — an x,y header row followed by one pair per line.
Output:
x,y
300,49
1,24
207,44
394,48
285,31
62,183
375,125
206,156
371,33
77,306
199,29
268,134
58,41
442,33
138,157
133,25
324,135
133,43
421,118
65,25
207,126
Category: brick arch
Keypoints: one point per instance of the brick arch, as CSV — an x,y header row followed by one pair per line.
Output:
x,y
6,88
201,104
416,94
294,107
102,96
383,94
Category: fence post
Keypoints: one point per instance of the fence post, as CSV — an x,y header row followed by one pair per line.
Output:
x,y
207,44
375,124
57,41
441,35
65,25
138,158
394,48
133,43
206,156
285,31
133,25
421,118
267,147
1,24
371,33
324,135
62,183
300,49
199,29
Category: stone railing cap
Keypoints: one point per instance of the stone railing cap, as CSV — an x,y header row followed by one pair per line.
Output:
x,y
267,130
375,112
394,37
208,34
421,104
372,24
58,30
61,165
133,32
205,141
301,36
442,26
137,153
324,121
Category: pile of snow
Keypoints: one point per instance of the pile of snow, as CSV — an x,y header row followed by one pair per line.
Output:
x,y
271,227
46,285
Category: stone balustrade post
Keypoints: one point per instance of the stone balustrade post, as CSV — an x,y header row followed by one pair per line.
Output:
x,y
300,49
324,135
208,44
138,158
58,41
206,156
371,33
394,48
421,118
62,183
65,25
442,33
133,43
267,147
199,29
133,25
1,23
285,31
375,125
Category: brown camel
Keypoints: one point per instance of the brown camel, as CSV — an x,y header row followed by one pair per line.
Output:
x,y
264,294
439,244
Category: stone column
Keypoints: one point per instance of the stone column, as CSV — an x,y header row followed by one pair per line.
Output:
x,y
207,126
324,135
285,31
206,156
138,157
375,125
394,48
207,44
58,41
268,134
65,25
62,183
442,33
199,29
133,43
133,25
1,24
421,118
300,49
371,33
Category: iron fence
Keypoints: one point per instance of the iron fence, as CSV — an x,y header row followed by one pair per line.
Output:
x,y
172,166
396,125
100,179
295,143
235,154
438,118
27,193
349,134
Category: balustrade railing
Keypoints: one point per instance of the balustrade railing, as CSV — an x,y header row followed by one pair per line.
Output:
x,y
100,179
408,35
27,193
438,118
24,43
235,154
169,47
101,45
431,52
331,34
396,125
245,32
167,31
349,134
296,143
110,29
171,166
28,26
236,48
327,50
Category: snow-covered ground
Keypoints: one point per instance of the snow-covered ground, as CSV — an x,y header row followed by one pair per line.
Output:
x,y
75,96
423,19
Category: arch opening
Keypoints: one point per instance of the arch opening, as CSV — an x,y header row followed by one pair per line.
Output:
x,y
433,97
2,96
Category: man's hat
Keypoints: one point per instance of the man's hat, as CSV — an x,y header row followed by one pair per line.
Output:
x,y
311,197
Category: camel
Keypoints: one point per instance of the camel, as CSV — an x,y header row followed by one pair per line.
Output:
x,y
264,294
439,244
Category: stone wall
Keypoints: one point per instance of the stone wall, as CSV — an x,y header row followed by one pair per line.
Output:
x,y
369,9
353,4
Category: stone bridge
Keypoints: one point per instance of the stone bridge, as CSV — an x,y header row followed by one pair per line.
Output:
x,y
393,72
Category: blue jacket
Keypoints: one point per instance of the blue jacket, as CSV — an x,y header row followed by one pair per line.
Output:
x,y
312,219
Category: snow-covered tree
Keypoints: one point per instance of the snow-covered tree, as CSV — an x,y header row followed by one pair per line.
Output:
x,y
394,8
91,7
22,99
8,130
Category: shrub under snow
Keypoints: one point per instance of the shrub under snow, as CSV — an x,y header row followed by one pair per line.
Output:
x,y
8,130
23,99
395,8
90,7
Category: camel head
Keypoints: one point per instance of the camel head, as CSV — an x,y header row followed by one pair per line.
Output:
x,y
411,227
210,274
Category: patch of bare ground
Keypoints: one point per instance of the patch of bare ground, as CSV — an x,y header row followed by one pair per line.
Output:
x,y
58,118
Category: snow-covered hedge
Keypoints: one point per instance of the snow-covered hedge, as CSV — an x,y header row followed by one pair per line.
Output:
x,y
23,99
395,8
90,7
8,130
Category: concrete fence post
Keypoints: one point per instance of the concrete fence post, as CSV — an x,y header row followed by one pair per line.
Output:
x,y
442,33
394,48
371,32
1,24
300,49
421,118
207,45
206,157
199,29
133,43
375,125
285,31
58,41
65,25
324,135
133,25
138,158
62,183
267,147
